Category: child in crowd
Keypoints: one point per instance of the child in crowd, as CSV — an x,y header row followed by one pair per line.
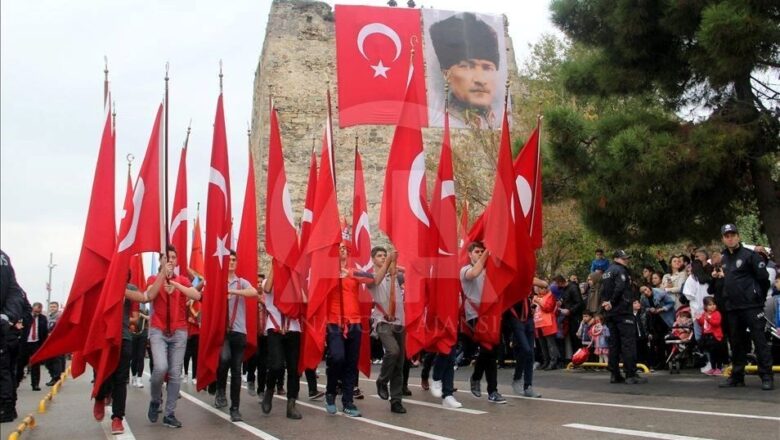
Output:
x,y
599,334
712,336
642,335
584,331
683,326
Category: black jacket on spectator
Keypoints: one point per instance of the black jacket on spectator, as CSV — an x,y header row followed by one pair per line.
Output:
x,y
746,280
572,301
616,288
43,328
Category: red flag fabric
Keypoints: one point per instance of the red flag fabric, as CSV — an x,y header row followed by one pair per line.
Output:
x,y
372,59
140,231
528,170
443,300
506,238
178,231
361,258
405,216
323,251
196,255
464,224
281,236
218,227
246,254
304,263
137,277
97,248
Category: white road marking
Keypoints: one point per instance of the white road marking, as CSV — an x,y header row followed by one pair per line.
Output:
x,y
649,408
106,424
245,426
632,432
439,406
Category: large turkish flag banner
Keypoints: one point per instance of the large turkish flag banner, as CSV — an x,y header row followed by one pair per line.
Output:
x,y
373,52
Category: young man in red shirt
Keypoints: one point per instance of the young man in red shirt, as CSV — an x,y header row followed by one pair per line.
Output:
x,y
168,293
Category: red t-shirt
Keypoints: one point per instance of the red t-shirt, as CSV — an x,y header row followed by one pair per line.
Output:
x,y
349,291
178,306
711,324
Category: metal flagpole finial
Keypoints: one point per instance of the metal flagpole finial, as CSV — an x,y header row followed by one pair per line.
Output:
x,y
220,75
248,130
105,66
167,68
356,142
446,93
113,109
130,158
189,127
506,92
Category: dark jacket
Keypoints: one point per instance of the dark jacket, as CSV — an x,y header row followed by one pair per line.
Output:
x,y
572,301
746,279
43,328
14,305
616,288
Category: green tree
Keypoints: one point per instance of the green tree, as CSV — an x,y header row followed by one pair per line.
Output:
x,y
674,129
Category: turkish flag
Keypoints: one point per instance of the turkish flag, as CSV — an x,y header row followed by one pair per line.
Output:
x,y
373,54
281,236
246,254
323,251
97,249
178,231
361,258
141,230
510,267
528,170
304,262
137,277
196,255
443,304
404,215
218,226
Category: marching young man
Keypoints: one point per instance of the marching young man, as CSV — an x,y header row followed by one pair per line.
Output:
x,y
389,317
168,293
232,354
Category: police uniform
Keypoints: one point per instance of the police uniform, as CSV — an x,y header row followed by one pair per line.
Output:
x,y
616,289
743,291
15,308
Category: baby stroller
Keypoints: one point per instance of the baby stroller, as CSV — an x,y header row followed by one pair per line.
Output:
x,y
681,341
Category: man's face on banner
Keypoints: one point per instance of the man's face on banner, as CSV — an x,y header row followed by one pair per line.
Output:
x,y
473,81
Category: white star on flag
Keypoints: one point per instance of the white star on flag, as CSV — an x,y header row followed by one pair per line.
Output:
x,y
221,249
380,69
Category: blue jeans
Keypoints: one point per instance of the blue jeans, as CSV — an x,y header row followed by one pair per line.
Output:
x,y
343,353
523,334
168,353
444,370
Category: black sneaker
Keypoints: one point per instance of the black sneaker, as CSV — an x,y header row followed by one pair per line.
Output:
x,y
267,401
381,389
235,415
154,411
767,384
171,421
617,379
475,390
397,408
316,395
732,382
636,380
357,394
406,391
220,401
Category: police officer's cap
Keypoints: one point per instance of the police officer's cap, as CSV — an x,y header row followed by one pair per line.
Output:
x,y
620,253
462,37
729,227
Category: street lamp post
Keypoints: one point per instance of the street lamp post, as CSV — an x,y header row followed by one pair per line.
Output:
x,y
48,285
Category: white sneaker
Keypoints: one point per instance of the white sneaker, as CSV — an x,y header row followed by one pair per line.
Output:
x,y
184,379
140,382
706,369
436,387
450,402
194,381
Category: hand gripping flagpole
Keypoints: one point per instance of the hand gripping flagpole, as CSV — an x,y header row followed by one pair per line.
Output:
x,y
165,165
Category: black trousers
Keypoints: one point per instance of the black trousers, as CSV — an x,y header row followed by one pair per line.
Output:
x,y
230,358
116,384
138,354
191,353
7,379
753,320
28,348
622,343
283,353
257,365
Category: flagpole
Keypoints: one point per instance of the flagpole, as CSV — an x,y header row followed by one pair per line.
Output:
x,y
105,81
165,159
332,140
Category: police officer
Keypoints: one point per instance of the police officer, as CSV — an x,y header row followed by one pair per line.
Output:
x,y
742,281
13,309
617,298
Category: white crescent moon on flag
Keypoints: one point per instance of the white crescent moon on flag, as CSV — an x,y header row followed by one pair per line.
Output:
x,y
416,175
287,205
524,194
447,189
181,217
218,179
362,224
138,198
378,28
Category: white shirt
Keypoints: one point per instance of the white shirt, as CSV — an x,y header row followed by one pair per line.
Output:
x,y
293,325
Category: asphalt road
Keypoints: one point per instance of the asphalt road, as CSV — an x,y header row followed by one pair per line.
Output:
x,y
575,404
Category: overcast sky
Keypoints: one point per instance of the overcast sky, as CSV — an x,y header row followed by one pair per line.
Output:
x,y
51,92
